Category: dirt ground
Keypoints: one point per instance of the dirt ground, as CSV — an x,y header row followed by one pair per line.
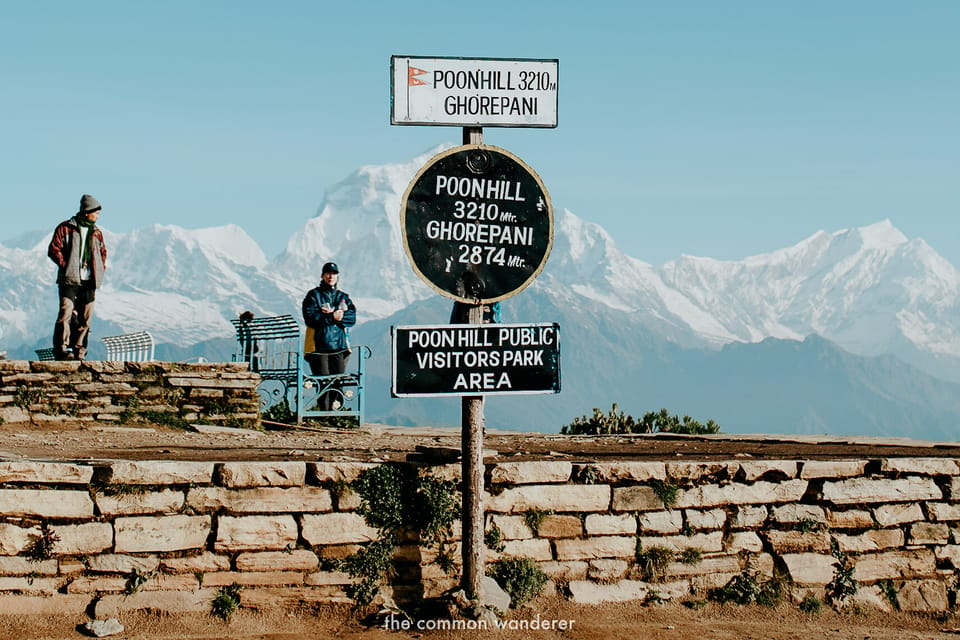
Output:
x,y
672,621
607,622
91,442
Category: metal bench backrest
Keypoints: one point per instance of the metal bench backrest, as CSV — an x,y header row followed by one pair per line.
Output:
x,y
45,354
129,347
270,345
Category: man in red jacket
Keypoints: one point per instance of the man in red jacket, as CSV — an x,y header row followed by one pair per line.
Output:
x,y
80,254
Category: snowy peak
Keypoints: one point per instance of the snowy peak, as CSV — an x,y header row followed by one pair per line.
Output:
x,y
580,248
367,200
358,227
161,257
392,178
863,288
877,236
29,240
228,242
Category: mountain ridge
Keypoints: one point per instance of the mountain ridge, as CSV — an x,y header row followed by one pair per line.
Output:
x,y
871,291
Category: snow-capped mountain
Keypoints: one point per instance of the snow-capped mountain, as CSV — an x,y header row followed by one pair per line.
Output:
x,y
871,290
359,225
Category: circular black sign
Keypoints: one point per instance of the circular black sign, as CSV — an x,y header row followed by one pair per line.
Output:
x,y
477,224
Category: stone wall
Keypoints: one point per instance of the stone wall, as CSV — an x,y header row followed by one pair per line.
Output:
x,y
168,535
95,391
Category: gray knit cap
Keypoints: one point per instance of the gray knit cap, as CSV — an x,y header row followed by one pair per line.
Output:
x,y
88,204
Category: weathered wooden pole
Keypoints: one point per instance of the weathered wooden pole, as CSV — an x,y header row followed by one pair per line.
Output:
x,y
471,448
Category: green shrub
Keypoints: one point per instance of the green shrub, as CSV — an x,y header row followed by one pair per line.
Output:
x,y
493,539
333,422
748,588
226,602
135,580
689,426
382,491
811,604
691,556
599,424
653,562
435,506
587,475
445,560
280,412
616,421
166,418
843,585
370,565
393,498
24,396
131,406
889,591
41,546
534,518
808,525
668,492
522,578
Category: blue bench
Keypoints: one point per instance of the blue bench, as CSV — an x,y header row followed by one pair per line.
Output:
x,y
272,347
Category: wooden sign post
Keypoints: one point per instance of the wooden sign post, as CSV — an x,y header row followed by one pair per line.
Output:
x,y
477,222
473,551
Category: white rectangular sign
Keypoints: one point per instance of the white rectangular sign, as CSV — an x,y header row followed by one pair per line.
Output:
x,y
473,92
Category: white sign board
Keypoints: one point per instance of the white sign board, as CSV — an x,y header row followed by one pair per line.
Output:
x,y
473,92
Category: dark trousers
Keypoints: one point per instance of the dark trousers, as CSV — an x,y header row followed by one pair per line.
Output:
x,y
327,364
72,330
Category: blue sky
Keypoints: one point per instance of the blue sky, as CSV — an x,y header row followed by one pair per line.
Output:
x,y
722,129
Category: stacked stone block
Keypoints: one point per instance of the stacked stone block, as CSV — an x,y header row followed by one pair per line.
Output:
x,y
897,521
113,392
168,535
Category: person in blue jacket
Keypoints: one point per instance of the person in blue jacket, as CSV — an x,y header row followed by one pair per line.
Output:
x,y
461,313
330,313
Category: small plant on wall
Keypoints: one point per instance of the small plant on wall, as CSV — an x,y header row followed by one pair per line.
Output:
x,y
493,539
668,492
522,578
843,585
749,587
535,517
393,498
24,396
136,579
41,546
653,561
690,556
226,602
